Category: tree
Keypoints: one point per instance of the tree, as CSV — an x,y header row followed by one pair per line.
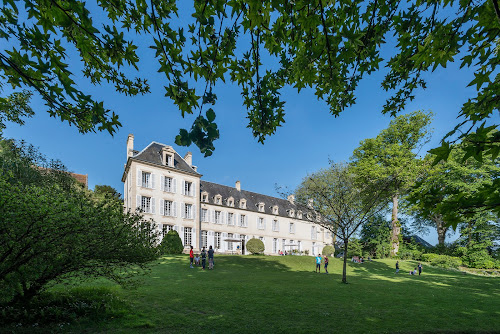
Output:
x,y
108,192
255,246
393,155
171,243
375,236
262,46
52,229
333,199
438,198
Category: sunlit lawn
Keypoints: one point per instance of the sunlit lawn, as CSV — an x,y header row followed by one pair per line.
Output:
x,y
256,294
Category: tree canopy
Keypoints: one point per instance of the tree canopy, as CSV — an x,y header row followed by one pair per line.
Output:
x,y
262,46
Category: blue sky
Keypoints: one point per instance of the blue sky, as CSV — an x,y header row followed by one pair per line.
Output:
x,y
304,144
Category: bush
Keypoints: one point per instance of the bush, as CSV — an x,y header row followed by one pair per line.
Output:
x,y
255,246
443,261
171,243
478,258
354,248
328,250
409,251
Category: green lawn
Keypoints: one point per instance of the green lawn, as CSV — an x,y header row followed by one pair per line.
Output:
x,y
283,295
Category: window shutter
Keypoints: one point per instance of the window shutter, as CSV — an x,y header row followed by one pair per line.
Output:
x,y
162,183
227,218
174,209
153,181
176,228
193,236
212,216
236,219
257,222
138,201
264,223
162,207
183,190
174,185
246,221
193,190
194,211
183,210
139,178
153,200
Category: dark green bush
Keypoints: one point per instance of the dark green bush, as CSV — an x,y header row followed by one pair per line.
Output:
x,y
477,258
255,246
171,243
409,251
328,250
443,261
354,248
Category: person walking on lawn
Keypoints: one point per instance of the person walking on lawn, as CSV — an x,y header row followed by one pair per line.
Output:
x,y
210,258
326,264
419,268
203,258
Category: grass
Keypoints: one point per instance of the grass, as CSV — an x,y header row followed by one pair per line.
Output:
x,y
283,295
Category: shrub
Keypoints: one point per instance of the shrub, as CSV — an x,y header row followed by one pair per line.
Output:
x,y
479,259
354,248
255,246
328,250
443,261
171,243
409,251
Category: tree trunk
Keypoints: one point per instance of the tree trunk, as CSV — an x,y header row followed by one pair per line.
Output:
x,y
396,226
441,229
344,271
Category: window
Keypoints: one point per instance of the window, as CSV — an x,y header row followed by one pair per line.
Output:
x,y
229,243
275,245
146,180
299,247
204,197
168,184
187,236
242,236
166,228
313,232
168,209
230,218
169,160
146,204
292,228
218,217
188,188
217,240
260,223
299,214
261,239
188,211
261,207
218,200
276,225
243,204
203,238
275,210
243,221
291,213
204,215
230,202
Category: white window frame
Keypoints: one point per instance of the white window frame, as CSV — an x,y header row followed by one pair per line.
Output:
x,y
205,216
217,239
276,225
188,236
261,223
314,234
218,217
204,238
291,228
275,245
243,221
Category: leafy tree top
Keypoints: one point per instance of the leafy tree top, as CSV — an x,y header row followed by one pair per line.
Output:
x,y
262,46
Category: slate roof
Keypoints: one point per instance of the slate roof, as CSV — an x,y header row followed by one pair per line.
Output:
x,y
152,154
253,199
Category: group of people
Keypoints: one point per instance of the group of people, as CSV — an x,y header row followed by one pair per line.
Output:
x,y
412,272
201,259
318,264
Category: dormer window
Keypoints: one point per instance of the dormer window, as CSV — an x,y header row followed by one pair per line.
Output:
x,y
243,204
291,213
218,199
230,202
275,210
261,207
299,214
204,197
169,160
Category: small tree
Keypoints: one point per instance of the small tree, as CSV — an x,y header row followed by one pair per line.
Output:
x,y
334,200
255,246
328,250
171,243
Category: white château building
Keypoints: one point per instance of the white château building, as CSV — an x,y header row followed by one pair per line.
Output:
x,y
169,189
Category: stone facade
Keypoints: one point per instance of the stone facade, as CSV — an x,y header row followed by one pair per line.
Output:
x,y
169,189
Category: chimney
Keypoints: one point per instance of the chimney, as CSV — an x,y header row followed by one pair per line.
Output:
x,y
130,145
291,199
189,158
238,185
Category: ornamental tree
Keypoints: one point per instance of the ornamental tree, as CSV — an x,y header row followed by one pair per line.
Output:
x,y
332,198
